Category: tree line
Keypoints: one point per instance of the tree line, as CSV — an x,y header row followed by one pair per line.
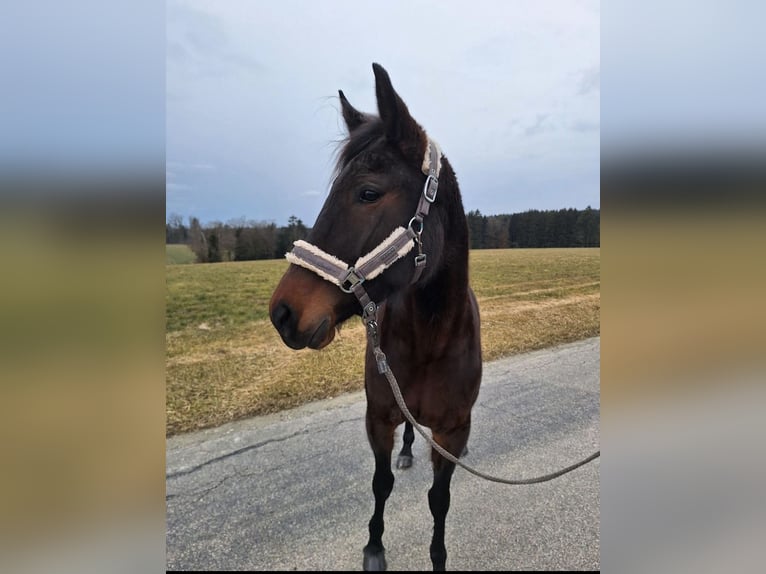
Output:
x,y
535,228
235,240
245,240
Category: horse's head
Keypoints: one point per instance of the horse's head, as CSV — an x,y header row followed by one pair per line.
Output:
x,y
377,188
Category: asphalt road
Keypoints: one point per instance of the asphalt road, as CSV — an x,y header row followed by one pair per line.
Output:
x,y
292,491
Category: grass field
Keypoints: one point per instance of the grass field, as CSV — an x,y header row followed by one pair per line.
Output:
x,y
179,255
224,359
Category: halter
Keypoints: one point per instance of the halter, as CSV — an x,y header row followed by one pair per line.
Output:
x,y
350,278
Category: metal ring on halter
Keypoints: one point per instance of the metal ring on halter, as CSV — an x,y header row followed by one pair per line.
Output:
x,y
419,220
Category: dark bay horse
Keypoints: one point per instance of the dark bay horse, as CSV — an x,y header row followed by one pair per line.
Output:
x,y
428,322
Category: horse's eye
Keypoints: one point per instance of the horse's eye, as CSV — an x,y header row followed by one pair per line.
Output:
x,y
369,195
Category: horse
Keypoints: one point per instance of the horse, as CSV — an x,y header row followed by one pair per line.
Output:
x,y
428,319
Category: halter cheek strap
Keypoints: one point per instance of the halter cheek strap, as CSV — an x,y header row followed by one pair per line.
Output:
x,y
432,164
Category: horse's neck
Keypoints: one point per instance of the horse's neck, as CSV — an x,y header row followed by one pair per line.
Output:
x,y
422,319
444,295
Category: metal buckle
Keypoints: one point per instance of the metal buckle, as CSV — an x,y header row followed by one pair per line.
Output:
x,y
420,260
353,278
430,188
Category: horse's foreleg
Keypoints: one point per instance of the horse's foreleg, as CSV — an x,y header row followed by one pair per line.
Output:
x,y
381,436
439,494
404,459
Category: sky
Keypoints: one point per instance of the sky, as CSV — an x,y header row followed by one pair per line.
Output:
x,y
510,90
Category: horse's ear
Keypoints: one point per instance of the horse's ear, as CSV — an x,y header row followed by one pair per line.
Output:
x,y
353,117
400,127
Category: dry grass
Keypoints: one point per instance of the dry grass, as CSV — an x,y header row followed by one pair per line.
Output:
x,y
225,360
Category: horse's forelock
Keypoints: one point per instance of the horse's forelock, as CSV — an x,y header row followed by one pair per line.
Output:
x,y
358,141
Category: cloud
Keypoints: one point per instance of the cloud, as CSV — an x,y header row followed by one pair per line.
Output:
x,y
538,126
200,42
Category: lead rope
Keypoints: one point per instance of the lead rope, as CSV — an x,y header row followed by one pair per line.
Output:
x,y
350,279
370,318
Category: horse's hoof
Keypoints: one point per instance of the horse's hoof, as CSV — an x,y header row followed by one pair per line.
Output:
x,y
374,561
404,461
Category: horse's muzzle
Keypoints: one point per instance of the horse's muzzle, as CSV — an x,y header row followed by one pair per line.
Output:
x,y
286,321
303,309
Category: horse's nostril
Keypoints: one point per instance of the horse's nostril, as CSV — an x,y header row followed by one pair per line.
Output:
x,y
285,320
281,315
